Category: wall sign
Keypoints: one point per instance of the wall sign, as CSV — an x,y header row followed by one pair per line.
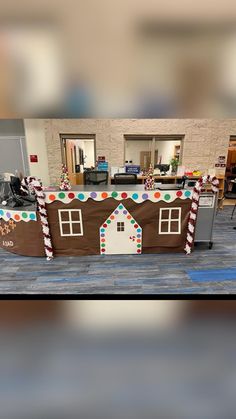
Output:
x,y
207,201
221,161
33,158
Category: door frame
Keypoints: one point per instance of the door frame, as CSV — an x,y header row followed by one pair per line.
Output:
x,y
64,137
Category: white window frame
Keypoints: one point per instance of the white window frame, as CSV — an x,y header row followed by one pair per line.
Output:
x,y
70,222
169,220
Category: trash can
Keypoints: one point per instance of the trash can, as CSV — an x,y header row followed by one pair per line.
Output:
x,y
208,202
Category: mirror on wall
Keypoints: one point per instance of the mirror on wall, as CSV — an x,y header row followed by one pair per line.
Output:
x,y
146,150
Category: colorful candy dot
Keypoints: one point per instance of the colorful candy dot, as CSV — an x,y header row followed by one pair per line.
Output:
x,y
104,195
81,196
112,217
103,245
116,212
105,225
135,225
114,194
1,212
138,250
32,216
157,195
120,207
124,195
167,197
138,241
179,193
17,217
138,235
125,212
102,230
138,245
52,197
103,240
61,195
8,215
132,221
187,193
108,221
93,195
102,235
71,195
128,217
139,230
103,250
135,196
24,215
145,196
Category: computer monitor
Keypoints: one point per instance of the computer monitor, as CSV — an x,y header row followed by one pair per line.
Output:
x,y
163,168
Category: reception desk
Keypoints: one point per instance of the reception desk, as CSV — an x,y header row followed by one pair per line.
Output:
x,y
90,220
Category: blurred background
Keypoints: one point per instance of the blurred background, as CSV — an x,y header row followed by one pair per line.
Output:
x,y
119,359
86,58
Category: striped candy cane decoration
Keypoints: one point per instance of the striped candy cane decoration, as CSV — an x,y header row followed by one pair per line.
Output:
x,y
33,184
194,207
26,185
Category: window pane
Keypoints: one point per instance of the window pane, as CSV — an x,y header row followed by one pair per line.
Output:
x,y
175,214
75,215
165,214
174,226
65,215
76,229
164,227
120,226
66,228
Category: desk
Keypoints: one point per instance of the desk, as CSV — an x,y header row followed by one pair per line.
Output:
x,y
173,179
105,219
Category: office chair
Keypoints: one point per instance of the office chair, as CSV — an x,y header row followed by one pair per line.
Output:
x,y
95,177
125,179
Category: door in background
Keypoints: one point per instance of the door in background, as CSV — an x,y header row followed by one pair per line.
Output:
x,y
13,155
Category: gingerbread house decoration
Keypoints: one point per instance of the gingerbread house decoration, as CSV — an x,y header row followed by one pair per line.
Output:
x,y
120,233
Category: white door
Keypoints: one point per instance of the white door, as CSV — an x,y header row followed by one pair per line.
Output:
x,y
13,155
121,237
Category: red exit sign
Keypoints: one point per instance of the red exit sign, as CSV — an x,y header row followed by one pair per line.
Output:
x,y
33,158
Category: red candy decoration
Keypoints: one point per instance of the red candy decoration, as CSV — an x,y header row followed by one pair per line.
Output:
x,y
179,193
71,195
104,225
135,225
124,195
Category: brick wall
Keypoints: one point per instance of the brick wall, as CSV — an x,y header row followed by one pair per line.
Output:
x,y
204,139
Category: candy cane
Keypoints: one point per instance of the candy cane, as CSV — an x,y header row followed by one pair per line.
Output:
x,y
35,185
194,207
26,185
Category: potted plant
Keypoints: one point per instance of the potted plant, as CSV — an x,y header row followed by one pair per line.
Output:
x,y
174,165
